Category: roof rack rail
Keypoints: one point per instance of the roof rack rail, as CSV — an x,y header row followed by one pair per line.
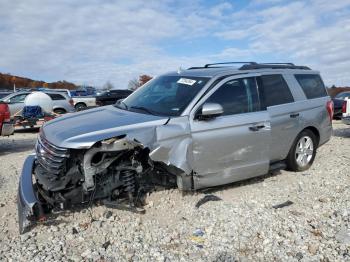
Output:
x,y
254,65
272,66
228,63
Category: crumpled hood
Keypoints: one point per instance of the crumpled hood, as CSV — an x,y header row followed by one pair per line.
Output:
x,y
83,129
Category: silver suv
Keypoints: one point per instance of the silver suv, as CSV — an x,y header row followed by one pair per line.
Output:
x,y
61,102
195,128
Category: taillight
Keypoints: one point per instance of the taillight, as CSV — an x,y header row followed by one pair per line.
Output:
x,y
71,102
343,108
330,109
7,115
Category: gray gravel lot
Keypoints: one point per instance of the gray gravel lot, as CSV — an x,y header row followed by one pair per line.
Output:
x,y
244,226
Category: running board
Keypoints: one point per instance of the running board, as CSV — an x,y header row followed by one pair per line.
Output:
x,y
277,166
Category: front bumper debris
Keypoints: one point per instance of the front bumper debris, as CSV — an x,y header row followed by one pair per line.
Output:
x,y
27,202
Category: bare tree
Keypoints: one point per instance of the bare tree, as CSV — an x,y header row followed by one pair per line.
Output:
x,y
133,84
107,86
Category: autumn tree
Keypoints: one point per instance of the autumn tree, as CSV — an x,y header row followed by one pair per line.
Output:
x,y
136,83
143,79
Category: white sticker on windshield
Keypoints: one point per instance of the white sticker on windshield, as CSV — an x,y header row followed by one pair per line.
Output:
x,y
186,81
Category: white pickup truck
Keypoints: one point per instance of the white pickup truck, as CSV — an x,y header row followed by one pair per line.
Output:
x,y
346,111
83,102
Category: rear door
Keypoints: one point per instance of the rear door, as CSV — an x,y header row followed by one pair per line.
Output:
x,y
235,145
284,114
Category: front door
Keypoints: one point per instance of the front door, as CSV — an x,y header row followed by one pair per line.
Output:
x,y
16,104
234,145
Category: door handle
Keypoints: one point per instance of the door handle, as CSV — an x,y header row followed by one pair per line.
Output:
x,y
295,115
256,128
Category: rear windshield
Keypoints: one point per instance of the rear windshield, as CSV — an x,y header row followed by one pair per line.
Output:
x,y
312,85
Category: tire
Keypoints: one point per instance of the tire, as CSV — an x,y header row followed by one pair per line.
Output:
x,y
80,106
303,152
59,111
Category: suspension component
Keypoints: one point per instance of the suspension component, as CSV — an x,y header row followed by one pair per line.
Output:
x,y
128,177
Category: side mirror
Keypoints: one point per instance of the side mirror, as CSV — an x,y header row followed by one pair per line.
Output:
x,y
210,110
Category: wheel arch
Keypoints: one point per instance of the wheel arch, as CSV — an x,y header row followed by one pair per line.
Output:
x,y
59,108
80,103
315,131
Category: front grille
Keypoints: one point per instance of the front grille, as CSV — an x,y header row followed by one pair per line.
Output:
x,y
49,156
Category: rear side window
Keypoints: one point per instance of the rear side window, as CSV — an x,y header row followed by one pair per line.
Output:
x,y
56,97
237,96
312,85
18,98
275,90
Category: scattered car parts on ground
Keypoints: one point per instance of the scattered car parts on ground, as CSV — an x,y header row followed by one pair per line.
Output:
x,y
206,199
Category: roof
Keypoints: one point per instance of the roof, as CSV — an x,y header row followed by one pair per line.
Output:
x,y
206,72
211,70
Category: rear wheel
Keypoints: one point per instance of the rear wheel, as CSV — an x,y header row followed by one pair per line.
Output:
x,y
80,106
303,152
59,111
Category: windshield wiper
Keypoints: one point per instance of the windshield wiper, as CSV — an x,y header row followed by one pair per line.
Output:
x,y
143,109
126,106
121,102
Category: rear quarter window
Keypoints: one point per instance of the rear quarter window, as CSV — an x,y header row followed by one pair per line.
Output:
x,y
274,90
56,97
312,85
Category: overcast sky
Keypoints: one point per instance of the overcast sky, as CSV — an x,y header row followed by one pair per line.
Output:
x,y
94,41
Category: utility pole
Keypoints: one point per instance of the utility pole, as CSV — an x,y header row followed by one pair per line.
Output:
x,y
14,83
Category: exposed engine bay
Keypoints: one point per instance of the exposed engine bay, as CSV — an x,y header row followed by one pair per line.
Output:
x,y
116,171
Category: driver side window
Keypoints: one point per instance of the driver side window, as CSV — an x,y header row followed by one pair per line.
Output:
x,y
237,96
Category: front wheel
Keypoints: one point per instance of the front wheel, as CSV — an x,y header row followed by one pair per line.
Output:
x,y
80,106
303,152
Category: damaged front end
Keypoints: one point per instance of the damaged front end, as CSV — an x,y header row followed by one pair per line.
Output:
x,y
116,171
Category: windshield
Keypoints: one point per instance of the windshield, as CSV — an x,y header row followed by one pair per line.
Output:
x,y
165,95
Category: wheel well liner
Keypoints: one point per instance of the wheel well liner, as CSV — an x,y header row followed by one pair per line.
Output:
x,y
315,131
59,108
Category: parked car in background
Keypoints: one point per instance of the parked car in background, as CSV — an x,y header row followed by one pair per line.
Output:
x,y
346,111
83,102
6,126
84,91
4,93
338,103
65,91
112,96
61,102
195,128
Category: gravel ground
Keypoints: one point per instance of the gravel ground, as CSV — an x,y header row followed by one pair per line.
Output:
x,y
244,226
